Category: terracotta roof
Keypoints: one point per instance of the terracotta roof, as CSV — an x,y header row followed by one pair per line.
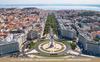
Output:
x,y
97,32
3,34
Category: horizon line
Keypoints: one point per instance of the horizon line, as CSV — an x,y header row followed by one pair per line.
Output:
x,y
95,5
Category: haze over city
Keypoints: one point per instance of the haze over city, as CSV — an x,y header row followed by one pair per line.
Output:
x,y
49,30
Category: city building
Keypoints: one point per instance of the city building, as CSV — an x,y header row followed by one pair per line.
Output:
x,y
65,28
90,43
8,47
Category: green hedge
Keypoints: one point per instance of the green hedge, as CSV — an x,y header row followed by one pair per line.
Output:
x,y
31,45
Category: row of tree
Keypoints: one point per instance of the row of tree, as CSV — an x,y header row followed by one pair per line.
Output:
x,y
51,22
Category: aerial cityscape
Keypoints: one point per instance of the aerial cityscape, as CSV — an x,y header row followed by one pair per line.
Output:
x,y
49,30
33,32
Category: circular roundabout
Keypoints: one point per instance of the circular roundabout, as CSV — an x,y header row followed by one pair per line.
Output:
x,y
57,47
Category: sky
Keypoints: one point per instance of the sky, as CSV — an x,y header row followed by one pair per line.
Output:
x,y
50,2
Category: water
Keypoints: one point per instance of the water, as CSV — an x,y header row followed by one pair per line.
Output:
x,y
94,8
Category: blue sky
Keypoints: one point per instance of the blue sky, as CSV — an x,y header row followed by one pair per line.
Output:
x,y
50,2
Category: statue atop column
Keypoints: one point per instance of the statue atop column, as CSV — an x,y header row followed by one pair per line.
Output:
x,y
51,37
